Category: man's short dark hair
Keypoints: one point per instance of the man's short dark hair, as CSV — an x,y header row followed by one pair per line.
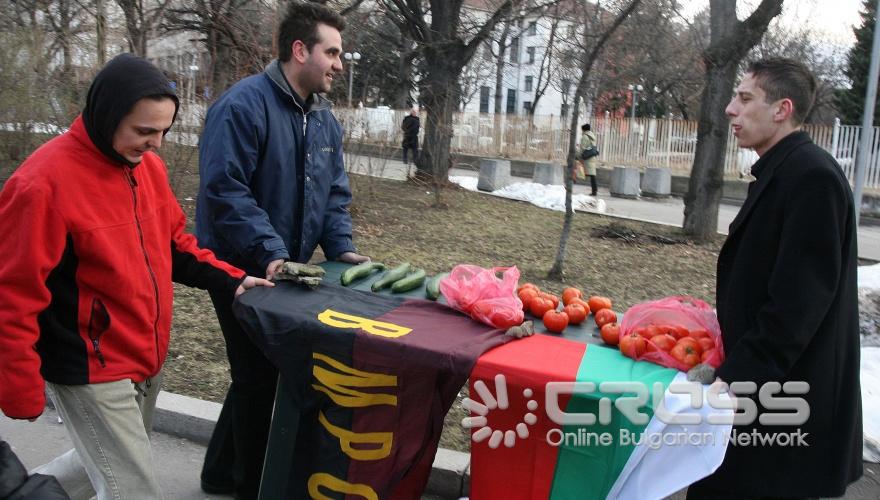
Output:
x,y
781,78
585,127
301,23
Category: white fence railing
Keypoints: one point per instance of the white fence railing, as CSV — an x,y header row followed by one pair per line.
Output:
x,y
622,141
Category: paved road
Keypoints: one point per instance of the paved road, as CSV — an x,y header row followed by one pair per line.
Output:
x,y
668,211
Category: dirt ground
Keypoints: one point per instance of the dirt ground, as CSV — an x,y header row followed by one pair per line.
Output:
x,y
396,222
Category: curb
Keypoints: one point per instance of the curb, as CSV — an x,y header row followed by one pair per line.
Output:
x,y
194,419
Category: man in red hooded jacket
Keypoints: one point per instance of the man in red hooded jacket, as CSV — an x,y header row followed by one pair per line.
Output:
x,y
92,239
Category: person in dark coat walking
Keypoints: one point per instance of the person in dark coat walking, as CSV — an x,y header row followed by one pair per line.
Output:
x,y
410,127
787,299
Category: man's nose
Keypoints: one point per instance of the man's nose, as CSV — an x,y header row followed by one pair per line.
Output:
x,y
155,140
730,110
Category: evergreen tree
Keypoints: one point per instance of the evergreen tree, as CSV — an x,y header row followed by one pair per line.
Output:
x,y
851,102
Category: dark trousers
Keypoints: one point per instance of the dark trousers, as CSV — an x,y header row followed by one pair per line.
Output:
x,y
415,153
594,185
701,491
238,444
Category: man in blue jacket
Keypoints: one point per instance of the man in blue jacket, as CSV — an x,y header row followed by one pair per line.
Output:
x,y
273,188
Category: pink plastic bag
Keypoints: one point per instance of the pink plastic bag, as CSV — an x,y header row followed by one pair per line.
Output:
x,y
479,293
691,313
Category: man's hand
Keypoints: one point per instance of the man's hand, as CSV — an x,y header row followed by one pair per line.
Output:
x,y
352,258
250,282
273,267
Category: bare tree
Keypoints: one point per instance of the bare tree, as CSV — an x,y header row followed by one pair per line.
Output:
x,y
595,36
731,40
140,21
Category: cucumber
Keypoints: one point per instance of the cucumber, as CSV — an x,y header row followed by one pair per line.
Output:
x,y
410,281
432,288
391,276
360,271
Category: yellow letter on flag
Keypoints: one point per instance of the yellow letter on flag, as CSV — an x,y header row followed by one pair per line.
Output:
x,y
342,320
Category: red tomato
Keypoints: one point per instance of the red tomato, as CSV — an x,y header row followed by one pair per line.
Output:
x,y
555,321
692,343
667,329
598,303
686,354
700,334
610,333
581,302
604,316
706,343
553,298
570,293
680,332
663,342
576,313
527,285
526,295
641,331
652,330
632,346
539,305
707,354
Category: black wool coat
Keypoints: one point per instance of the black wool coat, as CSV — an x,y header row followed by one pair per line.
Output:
x,y
788,308
410,127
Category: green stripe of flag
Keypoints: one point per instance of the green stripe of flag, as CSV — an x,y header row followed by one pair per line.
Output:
x,y
589,471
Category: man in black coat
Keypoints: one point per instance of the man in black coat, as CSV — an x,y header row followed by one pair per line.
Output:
x,y
786,298
410,127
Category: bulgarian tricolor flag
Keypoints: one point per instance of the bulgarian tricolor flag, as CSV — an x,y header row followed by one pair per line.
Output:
x,y
520,452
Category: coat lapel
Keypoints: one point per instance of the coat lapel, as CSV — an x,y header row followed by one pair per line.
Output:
x,y
779,154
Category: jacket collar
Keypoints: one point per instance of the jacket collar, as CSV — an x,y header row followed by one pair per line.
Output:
x,y
273,71
763,170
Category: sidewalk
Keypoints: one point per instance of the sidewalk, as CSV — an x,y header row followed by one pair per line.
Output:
x,y
669,211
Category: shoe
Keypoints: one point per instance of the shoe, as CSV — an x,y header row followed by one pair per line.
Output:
x,y
217,489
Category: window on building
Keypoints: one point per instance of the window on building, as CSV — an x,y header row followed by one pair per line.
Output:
x,y
531,54
527,107
528,84
514,50
533,28
484,99
511,101
563,110
566,86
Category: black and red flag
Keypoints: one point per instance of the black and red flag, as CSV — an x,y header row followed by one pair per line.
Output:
x,y
371,377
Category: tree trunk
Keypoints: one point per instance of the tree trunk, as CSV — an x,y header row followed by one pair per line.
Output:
x,y
731,40
707,175
101,32
499,79
439,95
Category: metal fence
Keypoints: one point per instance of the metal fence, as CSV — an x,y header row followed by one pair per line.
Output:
x,y
621,141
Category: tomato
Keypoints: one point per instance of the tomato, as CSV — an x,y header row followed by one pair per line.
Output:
x,y
706,343
700,334
707,355
605,316
526,295
576,313
641,331
539,305
667,329
632,346
553,298
555,321
686,354
692,343
610,333
581,302
527,285
598,303
570,293
652,330
680,332
662,342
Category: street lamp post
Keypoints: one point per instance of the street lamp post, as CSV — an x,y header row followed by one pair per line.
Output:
x,y
635,90
352,58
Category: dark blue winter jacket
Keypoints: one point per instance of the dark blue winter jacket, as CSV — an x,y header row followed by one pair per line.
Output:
x,y
273,184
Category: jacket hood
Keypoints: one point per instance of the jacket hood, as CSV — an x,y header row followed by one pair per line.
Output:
x,y
122,82
273,71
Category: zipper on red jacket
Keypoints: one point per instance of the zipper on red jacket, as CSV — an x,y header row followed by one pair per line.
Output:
x,y
132,183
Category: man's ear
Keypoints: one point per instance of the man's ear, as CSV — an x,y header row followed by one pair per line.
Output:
x,y
299,51
785,110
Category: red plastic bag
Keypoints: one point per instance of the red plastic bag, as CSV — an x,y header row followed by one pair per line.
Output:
x,y
691,313
479,293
